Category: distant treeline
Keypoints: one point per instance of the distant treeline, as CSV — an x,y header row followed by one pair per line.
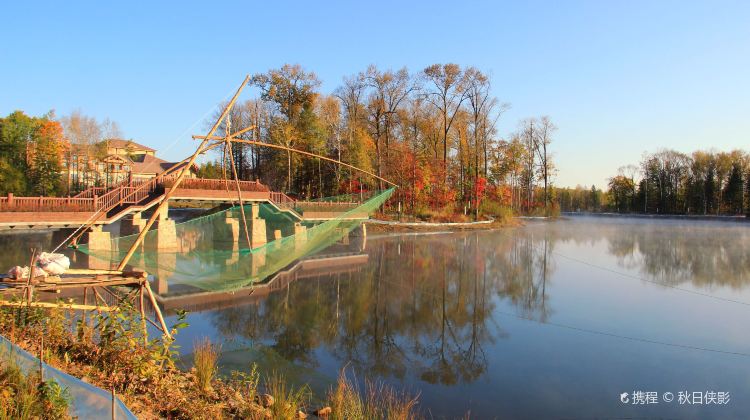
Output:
x,y
670,182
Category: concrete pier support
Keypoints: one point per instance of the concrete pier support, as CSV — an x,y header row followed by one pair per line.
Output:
x,y
166,264
166,232
256,228
99,240
132,224
300,234
166,235
258,260
258,225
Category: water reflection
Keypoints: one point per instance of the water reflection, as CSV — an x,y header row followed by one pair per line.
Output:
x,y
440,314
423,306
673,252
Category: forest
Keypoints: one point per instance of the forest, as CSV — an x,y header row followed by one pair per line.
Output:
x,y
433,132
670,182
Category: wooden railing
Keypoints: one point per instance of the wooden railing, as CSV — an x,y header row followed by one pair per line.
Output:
x,y
138,190
90,192
35,204
217,184
88,201
282,200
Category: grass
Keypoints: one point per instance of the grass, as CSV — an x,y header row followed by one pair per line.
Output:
x,y
378,401
205,362
287,400
108,351
26,397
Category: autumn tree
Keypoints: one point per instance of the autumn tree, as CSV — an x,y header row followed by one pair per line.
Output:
x,y
293,92
16,131
84,133
446,91
44,157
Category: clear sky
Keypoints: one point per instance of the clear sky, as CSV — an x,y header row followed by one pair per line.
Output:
x,y
617,77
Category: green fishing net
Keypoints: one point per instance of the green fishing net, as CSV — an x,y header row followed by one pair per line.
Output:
x,y
211,252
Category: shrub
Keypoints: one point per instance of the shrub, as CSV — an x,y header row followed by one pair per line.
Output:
x,y
25,397
496,210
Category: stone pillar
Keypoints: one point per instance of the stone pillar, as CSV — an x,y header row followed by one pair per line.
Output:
x,y
165,266
277,234
232,226
300,234
132,224
166,232
99,240
166,235
258,226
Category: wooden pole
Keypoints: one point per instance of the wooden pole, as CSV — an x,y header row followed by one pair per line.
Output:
x,y
237,183
177,181
276,146
85,302
114,398
41,359
157,311
50,305
29,286
143,315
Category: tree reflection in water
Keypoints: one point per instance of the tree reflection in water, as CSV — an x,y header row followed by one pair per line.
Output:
x,y
422,306
425,306
671,252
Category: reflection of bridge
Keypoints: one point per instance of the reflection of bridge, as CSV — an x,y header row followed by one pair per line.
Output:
x,y
129,199
304,269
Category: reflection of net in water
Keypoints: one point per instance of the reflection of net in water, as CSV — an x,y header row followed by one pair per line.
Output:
x,y
87,401
212,255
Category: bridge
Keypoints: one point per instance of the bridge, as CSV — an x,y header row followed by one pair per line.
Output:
x,y
132,197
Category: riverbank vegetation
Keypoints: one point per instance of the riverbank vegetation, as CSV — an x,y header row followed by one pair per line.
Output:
x,y
112,353
25,396
34,151
434,132
670,182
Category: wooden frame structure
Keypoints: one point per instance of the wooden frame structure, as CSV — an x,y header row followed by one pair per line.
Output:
x,y
94,280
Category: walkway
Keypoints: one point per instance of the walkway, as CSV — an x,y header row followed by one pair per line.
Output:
x,y
142,194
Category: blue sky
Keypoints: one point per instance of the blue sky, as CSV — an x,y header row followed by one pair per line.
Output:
x,y
617,77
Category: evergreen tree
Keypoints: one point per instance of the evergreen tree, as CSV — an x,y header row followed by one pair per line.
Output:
x,y
733,193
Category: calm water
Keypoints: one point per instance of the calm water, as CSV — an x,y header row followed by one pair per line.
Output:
x,y
550,320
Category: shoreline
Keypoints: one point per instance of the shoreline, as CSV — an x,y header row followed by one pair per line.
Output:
x,y
378,226
687,217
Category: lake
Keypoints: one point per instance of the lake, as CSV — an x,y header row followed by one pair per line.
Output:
x,y
561,319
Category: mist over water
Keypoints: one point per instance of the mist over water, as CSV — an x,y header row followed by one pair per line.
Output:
x,y
550,320
553,319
